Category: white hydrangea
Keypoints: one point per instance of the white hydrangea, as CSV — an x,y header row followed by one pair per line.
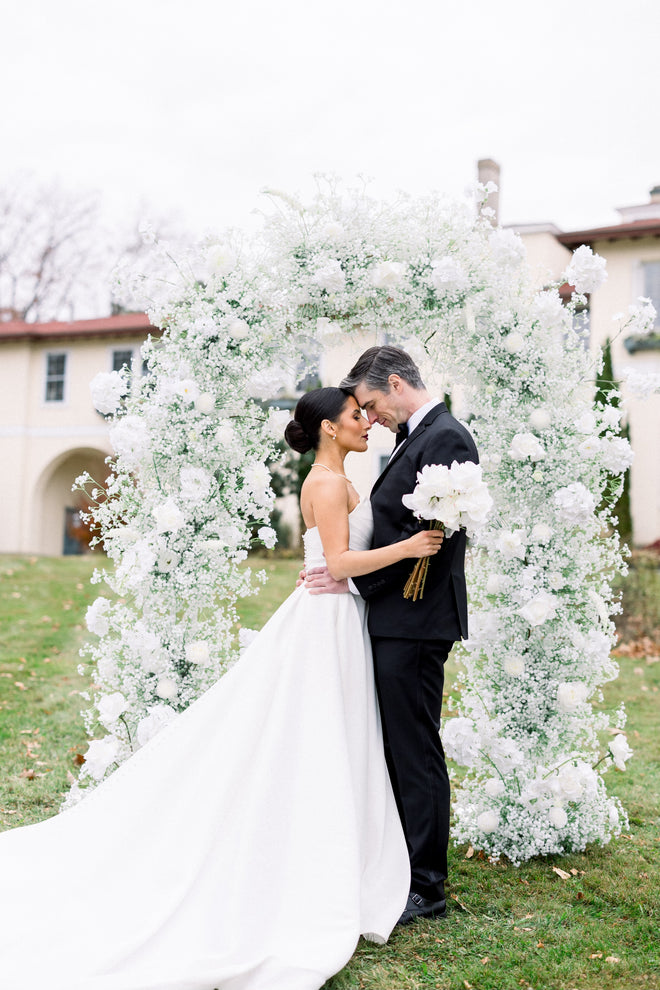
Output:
x,y
586,270
108,389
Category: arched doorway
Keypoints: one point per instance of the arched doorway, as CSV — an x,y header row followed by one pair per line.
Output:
x,y
58,507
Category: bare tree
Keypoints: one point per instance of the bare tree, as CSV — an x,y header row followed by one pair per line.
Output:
x,y
58,252
54,257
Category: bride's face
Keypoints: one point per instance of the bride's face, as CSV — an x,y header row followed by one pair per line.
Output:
x,y
352,427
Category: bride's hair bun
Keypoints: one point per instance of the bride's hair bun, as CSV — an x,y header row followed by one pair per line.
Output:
x,y
303,432
296,437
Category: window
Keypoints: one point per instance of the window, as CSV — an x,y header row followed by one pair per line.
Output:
x,y
55,377
651,285
122,359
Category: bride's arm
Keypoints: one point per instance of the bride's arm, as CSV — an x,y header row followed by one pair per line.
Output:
x,y
331,517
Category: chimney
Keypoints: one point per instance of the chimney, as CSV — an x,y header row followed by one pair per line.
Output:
x,y
489,171
655,194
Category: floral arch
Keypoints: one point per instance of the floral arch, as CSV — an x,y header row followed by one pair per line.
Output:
x,y
192,487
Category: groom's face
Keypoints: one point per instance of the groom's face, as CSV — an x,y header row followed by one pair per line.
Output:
x,y
381,407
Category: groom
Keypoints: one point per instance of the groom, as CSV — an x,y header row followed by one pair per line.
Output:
x,y
411,639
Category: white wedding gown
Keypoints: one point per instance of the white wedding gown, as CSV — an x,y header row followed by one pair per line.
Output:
x,y
246,847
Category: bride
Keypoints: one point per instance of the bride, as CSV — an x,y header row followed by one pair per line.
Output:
x,y
251,843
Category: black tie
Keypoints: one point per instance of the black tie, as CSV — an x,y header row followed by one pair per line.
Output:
x,y
401,435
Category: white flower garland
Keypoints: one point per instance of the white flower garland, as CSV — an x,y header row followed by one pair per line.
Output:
x,y
190,486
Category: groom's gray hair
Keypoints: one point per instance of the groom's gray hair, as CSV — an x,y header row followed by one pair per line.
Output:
x,y
376,365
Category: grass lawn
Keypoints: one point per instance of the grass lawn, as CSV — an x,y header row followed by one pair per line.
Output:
x,y
507,928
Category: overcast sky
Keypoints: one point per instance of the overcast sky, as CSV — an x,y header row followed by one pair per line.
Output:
x,y
192,107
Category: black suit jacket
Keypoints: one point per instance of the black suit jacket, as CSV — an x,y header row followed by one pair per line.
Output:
x,y
442,612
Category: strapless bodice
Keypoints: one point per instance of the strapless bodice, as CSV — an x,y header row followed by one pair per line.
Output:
x,y
360,522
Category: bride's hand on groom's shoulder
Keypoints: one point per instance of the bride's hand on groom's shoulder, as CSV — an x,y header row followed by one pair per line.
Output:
x,y
319,581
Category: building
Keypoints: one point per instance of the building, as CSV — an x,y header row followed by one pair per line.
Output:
x,y
49,430
632,251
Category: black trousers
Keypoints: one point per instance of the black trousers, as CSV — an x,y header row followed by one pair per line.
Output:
x,y
409,680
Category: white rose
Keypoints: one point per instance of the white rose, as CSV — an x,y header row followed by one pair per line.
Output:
x,y
538,609
387,274
110,707
169,517
557,817
586,423
617,454
239,329
570,695
448,274
224,433
541,533
488,821
496,584
514,665
107,390
511,543
494,787
166,688
556,580
526,445
540,419
610,417
205,403
330,276
100,754
620,751
197,652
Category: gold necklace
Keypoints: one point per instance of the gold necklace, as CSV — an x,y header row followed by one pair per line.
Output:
x,y
325,466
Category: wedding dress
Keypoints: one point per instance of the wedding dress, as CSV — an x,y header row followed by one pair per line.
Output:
x,y
246,847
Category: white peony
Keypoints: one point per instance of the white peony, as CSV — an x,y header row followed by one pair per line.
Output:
x,y
239,329
387,274
526,445
570,695
108,389
539,609
620,751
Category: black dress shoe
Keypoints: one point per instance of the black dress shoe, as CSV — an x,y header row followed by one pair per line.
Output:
x,y
419,907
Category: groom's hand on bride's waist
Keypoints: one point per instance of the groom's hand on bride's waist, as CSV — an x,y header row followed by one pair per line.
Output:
x,y
319,581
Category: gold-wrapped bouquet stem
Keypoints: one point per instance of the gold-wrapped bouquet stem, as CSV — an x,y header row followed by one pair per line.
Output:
x,y
415,584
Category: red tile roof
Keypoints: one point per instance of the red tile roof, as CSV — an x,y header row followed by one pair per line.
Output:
x,y
616,232
122,325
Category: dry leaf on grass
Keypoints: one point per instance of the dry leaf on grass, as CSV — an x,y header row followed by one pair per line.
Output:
x,y
561,873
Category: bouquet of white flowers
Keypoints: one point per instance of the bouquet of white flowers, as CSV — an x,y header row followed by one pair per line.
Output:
x,y
450,498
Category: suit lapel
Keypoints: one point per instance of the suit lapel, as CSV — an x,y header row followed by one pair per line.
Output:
x,y
402,449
